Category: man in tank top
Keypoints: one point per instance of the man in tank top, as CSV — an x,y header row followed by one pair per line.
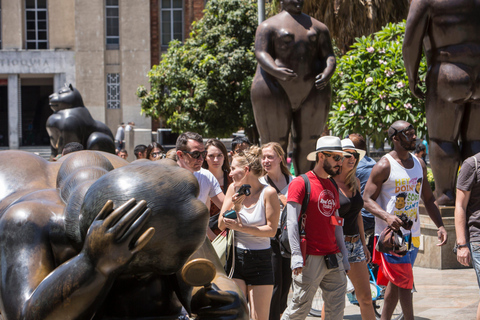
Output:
x,y
394,188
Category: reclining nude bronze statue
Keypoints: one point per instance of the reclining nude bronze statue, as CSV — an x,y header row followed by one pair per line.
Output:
x,y
90,237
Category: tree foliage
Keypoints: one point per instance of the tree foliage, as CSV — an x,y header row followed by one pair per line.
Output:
x,y
371,87
203,85
349,19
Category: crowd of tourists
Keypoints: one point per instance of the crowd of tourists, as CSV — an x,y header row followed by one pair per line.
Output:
x,y
337,218
351,201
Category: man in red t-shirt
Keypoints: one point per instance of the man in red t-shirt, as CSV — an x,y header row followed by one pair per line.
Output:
x,y
326,256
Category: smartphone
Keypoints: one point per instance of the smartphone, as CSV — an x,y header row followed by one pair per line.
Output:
x,y
244,189
231,214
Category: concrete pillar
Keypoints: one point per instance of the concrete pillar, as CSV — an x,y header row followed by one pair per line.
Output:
x,y
59,81
14,114
130,144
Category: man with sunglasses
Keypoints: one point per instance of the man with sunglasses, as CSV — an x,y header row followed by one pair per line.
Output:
x,y
323,260
399,172
190,155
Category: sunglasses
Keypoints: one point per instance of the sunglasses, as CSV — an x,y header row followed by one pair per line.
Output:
x,y
336,157
356,155
196,154
410,127
158,154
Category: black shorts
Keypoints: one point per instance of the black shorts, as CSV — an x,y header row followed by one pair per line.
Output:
x,y
253,266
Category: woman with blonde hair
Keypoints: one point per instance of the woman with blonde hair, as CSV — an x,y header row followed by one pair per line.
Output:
x,y
351,204
278,176
256,221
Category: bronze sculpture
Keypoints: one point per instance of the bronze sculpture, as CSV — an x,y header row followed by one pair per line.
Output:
x,y
291,85
75,244
448,31
71,122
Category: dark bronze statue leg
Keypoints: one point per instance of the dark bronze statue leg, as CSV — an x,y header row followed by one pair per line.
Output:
x,y
272,110
470,130
309,122
444,121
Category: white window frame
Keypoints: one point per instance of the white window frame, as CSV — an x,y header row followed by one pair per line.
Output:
x,y
171,10
113,91
112,46
36,41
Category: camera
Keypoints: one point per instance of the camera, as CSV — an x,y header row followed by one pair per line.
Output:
x,y
244,189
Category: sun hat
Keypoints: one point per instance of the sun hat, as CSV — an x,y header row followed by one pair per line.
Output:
x,y
347,144
326,143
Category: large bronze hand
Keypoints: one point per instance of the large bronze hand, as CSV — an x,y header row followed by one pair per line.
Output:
x,y
417,92
210,302
109,239
321,81
213,303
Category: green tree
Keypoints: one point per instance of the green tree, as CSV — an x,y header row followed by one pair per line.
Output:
x,y
371,87
203,85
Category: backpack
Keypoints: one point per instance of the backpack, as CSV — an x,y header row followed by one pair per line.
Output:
x,y
283,237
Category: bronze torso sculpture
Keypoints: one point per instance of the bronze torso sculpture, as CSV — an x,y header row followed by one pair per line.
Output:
x,y
291,85
72,122
449,33
75,244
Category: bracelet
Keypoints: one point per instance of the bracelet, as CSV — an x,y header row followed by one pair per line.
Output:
x,y
460,245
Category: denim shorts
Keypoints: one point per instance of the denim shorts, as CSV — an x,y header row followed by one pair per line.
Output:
x,y
253,266
355,251
475,250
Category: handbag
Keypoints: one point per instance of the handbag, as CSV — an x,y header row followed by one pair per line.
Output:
x,y
223,245
395,242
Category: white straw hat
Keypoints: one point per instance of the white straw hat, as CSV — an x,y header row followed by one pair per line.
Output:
x,y
348,144
326,143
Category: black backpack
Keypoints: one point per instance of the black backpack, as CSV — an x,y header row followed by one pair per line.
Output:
x,y
283,237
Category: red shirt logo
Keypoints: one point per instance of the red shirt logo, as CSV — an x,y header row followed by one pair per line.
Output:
x,y
326,203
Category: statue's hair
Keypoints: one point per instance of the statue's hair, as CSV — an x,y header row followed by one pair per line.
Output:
x,y
69,178
170,193
77,173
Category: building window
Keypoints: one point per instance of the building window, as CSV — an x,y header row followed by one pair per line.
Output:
x,y
36,20
112,24
113,91
172,21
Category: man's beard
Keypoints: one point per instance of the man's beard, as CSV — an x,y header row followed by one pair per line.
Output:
x,y
329,169
407,145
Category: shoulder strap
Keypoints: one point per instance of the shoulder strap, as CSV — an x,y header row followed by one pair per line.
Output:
x,y
306,199
270,182
334,183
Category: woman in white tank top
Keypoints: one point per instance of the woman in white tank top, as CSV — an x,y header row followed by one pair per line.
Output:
x,y
257,220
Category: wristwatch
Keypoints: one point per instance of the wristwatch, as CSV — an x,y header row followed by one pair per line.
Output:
x,y
455,248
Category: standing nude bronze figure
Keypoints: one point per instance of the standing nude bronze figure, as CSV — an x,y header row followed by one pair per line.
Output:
x,y
93,237
291,85
449,33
